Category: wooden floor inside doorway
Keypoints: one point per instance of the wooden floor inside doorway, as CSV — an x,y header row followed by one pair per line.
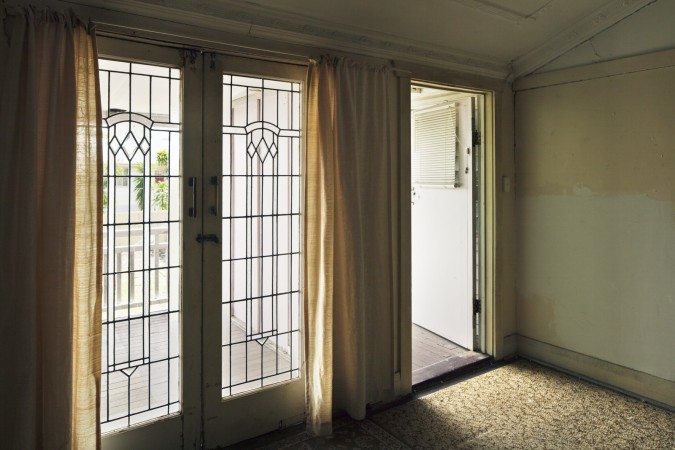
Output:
x,y
434,356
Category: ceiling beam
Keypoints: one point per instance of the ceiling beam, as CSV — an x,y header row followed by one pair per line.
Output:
x,y
580,32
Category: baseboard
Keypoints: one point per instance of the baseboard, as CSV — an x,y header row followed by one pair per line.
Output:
x,y
510,346
636,383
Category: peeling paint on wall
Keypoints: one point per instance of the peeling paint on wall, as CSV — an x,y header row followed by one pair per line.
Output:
x,y
613,135
595,218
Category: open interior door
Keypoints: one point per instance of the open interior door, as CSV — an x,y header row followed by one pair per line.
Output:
x,y
442,211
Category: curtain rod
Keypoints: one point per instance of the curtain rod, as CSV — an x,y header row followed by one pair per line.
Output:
x,y
120,32
206,46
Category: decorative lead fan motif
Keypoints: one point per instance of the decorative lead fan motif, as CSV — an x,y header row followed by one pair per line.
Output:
x,y
135,139
261,139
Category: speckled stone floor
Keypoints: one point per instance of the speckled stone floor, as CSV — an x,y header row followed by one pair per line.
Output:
x,y
517,406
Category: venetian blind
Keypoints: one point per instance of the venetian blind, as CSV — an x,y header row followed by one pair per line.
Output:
x,y
435,147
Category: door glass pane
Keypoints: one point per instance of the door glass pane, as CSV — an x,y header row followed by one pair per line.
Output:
x,y
261,233
140,375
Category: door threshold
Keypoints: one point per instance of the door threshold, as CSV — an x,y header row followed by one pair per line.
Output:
x,y
435,358
449,369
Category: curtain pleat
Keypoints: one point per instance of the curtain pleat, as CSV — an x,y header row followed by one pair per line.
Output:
x,y
319,243
50,235
351,233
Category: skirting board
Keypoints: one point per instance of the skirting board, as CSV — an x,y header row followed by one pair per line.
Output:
x,y
510,346
640,384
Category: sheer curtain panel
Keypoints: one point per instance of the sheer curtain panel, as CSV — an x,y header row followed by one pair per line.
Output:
x,y
351,237
50,232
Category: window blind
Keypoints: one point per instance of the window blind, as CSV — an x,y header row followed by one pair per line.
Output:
x,y
434,151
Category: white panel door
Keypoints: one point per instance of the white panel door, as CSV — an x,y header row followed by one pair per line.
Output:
x,y
442,262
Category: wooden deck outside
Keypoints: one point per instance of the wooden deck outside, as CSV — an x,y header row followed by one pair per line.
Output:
x,y
143,390
253,364
433,356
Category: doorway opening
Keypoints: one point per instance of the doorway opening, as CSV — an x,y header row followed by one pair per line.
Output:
x,y
446,223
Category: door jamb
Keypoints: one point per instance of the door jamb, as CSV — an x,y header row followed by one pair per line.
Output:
x,y
487,258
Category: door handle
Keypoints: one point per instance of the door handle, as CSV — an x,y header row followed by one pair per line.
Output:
x,y
216,205
192,182
208,238
414,196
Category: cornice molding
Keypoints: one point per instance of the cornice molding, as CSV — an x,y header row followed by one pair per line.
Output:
x,y
503,12
582,31
246,19
383,47
171,14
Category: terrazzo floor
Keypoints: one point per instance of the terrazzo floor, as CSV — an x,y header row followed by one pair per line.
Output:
x,y
521,405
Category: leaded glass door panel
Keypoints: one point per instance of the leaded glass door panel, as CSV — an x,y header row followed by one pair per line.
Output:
x,y
202,200
252,294
147,380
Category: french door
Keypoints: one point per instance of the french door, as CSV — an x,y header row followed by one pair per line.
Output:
x,y
202,307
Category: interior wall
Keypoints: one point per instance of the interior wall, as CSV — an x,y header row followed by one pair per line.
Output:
x,y
595,215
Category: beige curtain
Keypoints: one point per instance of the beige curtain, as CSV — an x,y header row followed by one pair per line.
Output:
x,y
351,238
50,232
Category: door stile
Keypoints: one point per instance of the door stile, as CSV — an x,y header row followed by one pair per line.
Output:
x,y
212,251
192,192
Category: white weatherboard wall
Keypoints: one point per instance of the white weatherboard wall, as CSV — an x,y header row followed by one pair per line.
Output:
x,y
595,219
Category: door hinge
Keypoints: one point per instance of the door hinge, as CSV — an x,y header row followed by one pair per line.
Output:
x,y
476,138
190,56
476,306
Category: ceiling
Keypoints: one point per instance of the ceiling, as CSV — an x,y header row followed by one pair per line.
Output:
x,y
498,30
496,38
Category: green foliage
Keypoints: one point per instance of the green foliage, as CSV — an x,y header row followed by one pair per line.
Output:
x,y
139,191
105,188
162,160
160,195
160,188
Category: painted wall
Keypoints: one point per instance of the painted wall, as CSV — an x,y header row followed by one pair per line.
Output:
x,y
595,213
